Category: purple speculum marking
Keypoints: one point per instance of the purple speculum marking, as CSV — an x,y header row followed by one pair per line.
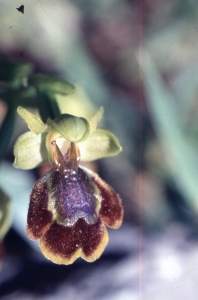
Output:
x,y
73,196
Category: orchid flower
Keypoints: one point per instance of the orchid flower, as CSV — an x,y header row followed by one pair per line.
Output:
x,y
70,205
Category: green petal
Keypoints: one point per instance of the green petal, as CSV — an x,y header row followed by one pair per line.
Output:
x,y
51,84
101,143
5,214
96,119
33,121
30,151
72,128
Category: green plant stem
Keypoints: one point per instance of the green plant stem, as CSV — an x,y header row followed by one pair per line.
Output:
x,y
47,106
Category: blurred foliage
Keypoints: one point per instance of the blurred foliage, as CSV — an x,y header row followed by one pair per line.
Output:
x,y
5,214
179,151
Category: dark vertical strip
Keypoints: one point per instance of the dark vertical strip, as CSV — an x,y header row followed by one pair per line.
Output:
x,y
7,130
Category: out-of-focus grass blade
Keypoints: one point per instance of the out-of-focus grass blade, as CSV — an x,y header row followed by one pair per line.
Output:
x,y
5,214
6,130
17,185
185,86
165,115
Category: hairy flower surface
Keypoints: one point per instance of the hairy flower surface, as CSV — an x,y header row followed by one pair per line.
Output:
x,y
70,205
68,209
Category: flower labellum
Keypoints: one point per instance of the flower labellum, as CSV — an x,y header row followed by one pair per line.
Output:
x,y
69,207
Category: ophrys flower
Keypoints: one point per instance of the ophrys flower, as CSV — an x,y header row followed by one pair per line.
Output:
x,y
69,205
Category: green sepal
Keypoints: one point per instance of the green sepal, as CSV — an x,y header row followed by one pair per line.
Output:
x,y
51,84
33,121
100,143
73,129
5,214
30,151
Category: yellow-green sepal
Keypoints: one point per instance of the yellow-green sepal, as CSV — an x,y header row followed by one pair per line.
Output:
x,y
100,143
34,122
5,214
30,151
72,128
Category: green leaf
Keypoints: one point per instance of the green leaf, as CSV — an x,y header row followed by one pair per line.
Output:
x,y
30,151
72,128
100,143
5,214
51,84
181,155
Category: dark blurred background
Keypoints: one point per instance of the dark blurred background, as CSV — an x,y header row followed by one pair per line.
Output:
x,y
139,60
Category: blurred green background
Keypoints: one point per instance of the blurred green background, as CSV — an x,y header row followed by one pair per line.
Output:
x,y
139,60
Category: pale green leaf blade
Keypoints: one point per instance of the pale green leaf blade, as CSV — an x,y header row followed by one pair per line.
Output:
x,y
101,143
30,151
181,155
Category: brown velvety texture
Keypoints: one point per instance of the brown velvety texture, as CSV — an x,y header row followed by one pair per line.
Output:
x,y
111,209
64,244
39,217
